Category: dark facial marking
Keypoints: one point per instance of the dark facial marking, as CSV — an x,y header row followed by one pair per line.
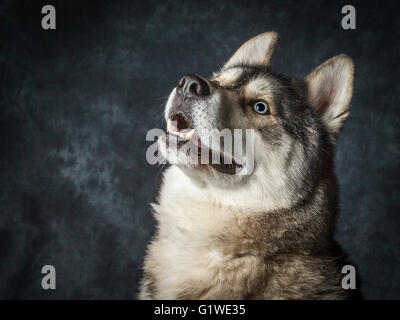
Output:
x,y
272,134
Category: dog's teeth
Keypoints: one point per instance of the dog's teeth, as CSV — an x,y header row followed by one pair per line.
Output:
x,y
174,130
189,135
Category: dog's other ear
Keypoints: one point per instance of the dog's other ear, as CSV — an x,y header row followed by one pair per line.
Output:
x,y
256,51
330,87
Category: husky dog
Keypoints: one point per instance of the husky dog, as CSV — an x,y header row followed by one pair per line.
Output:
x,y
267,234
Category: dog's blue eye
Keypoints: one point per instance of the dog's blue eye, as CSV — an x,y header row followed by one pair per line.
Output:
x,y
261,107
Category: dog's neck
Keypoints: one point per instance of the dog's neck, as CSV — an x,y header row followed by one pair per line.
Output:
x,y
188,212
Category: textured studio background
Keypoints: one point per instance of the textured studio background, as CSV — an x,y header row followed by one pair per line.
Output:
x,y
76,103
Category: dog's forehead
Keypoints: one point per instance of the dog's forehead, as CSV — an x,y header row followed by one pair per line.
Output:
x,y
229,76
251,78
259,85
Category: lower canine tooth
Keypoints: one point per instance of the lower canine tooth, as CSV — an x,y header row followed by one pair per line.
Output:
x,y
169,125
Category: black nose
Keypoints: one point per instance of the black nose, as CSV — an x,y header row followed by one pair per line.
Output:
x,y
193,86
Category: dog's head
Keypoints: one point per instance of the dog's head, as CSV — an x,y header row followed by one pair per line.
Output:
x,y
286,127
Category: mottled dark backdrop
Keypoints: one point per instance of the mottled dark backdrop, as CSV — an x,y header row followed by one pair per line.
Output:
x,y
76,103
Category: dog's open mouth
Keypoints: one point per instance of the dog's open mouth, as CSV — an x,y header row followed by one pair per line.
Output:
x,y
180,133
178,126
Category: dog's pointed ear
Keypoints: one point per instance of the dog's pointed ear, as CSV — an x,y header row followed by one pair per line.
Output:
x,y
256,51
330,87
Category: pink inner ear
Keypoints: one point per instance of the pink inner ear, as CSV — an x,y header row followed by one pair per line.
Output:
x,y
327,98
330,87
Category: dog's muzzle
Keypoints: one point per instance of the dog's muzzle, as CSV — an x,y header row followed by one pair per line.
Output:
x,y
190,89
